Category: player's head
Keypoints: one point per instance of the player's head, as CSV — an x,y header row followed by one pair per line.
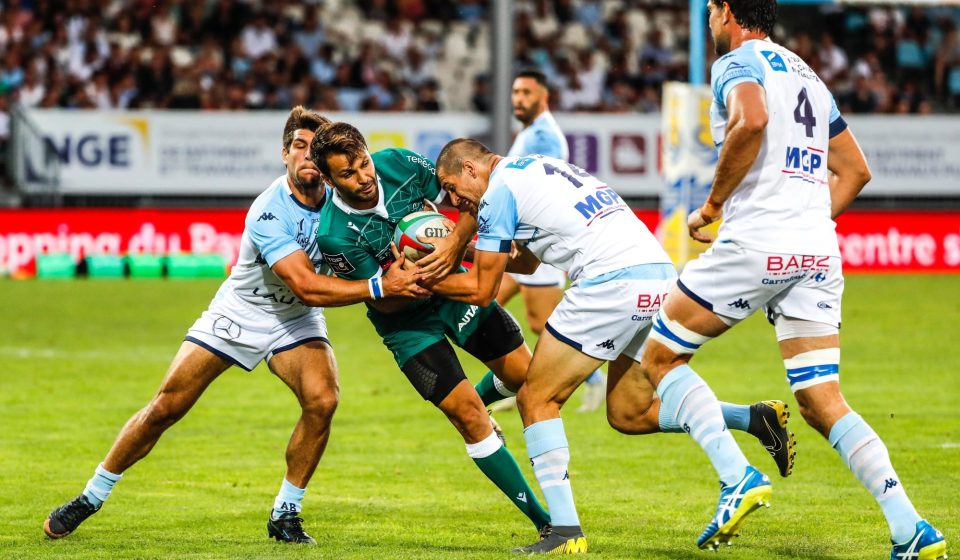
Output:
x,y
297,134
340,151
530,96
463,169
734,18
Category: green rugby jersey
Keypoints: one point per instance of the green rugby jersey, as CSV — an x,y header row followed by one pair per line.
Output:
x,y
356,243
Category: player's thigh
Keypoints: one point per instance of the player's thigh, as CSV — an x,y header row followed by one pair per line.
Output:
x,y
434,371
310,370
540,302
508,289
192,370
556,370
498,342
630,395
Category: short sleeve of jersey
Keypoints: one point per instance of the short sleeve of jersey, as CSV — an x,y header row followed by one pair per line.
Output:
x,y
837,124
497,220
731,70
426,173
346,259
271,235
544,143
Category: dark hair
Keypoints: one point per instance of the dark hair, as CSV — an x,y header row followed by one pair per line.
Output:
x,y
456,151
535,74
301,117
758,15
336,138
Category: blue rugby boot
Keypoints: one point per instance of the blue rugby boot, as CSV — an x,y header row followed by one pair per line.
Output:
x,y
737,501
926,544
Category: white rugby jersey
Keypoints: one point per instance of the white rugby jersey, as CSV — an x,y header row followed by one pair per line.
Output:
x,y
783,203
543,137
277,225
565,216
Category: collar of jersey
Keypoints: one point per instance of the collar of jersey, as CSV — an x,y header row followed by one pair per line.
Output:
x,y
380,209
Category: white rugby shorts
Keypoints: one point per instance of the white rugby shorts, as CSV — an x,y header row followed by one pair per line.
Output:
x,y
611,314
244,334
546,276
734,282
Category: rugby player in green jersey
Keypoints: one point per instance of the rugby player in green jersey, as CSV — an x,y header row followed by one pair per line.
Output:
x,y
371,194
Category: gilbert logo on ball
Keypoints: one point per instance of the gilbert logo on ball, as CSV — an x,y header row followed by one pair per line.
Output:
x,y
427,224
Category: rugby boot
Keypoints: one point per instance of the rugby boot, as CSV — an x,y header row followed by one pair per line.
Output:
x,y
557,540
288,528
768,423
737,501
65,519
926,544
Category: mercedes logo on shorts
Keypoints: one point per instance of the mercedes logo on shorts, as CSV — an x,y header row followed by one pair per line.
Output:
x,y
225,328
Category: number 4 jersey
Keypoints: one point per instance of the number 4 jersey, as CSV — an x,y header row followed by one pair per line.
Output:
x,y
783,204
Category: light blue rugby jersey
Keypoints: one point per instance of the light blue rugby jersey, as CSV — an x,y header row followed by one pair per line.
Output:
x,y
276,226
783,203
543,137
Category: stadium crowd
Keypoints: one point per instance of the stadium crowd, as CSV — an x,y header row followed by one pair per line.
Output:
x,y
432,55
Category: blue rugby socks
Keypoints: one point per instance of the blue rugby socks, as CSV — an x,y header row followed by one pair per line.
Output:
x,y
865,454
688,402
99,487
550,454
289,499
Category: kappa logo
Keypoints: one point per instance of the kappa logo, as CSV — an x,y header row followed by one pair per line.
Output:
x,y
266,217
824,305
608,344
888,484
739,304
819,277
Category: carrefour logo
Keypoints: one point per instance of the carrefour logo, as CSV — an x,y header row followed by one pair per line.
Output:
x,y
807,159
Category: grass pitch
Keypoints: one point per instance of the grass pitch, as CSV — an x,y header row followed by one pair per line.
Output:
x,y
79,357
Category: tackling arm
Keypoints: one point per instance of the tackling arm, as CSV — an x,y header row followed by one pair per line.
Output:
x,y
317,290
747,107
848,171
479,285
448,251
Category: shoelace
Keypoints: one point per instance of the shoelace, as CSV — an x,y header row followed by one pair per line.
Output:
x,y
546,531
293,526
75,512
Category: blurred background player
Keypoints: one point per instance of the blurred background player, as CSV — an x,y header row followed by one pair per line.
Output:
x,y
788,166
371,194
543,289
620,276
268,309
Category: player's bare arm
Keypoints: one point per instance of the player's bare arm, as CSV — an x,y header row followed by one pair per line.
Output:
x,y
849,171
480,284
747,106
317,290
448,251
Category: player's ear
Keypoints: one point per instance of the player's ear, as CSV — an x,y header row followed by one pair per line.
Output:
x,y
283,155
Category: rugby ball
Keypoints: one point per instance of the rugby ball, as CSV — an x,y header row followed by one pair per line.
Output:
x,y
426,223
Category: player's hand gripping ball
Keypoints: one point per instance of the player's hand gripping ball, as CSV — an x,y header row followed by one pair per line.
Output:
x,y
427,224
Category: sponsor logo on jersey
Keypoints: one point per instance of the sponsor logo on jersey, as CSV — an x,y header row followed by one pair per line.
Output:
x,y
467,317
646,301
483,223
806,160
266,217
598,203
775,61
339,263
225,328
277,293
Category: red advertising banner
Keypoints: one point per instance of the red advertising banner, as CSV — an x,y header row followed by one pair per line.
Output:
x,y
870,241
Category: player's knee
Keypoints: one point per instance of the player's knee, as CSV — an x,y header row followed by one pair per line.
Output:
x,y
473,422
163,411
321,405
629,420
